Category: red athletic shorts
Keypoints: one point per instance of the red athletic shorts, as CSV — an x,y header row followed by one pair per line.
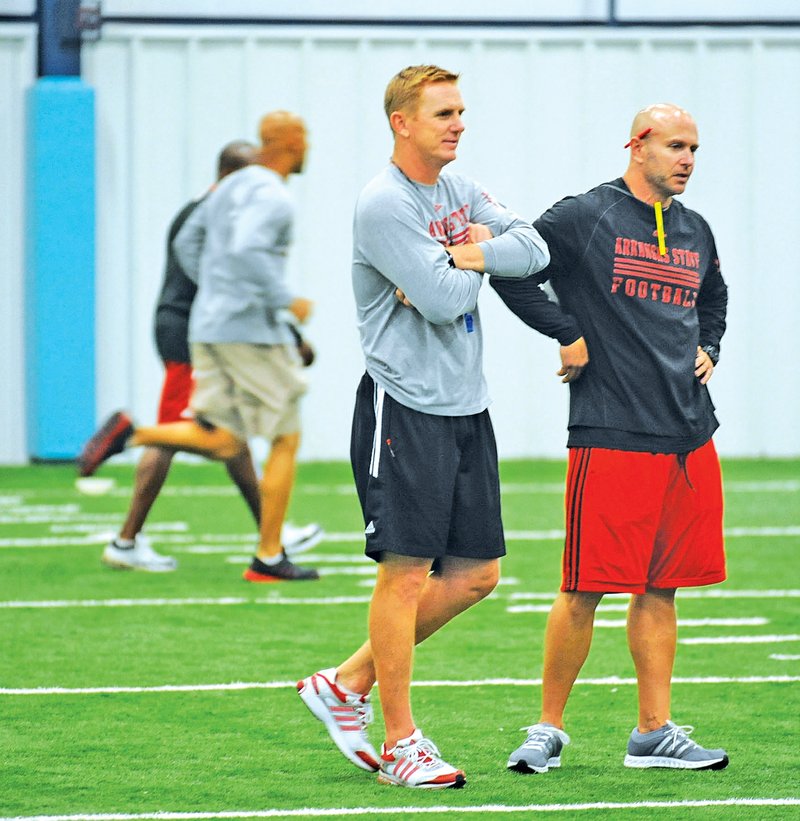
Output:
x,y
639,520
176,392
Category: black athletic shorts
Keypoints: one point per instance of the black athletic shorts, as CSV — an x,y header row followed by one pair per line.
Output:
x,y
428,485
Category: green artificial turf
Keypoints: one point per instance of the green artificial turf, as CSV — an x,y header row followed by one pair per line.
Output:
x,y
133,730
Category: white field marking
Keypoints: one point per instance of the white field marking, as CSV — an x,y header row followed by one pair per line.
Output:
x,y
23,509
511,488
740,639
788,485
19,495
738,594
792,530
349,571
52,518
756,621
225,601
97,530
545,608
313,557
785,656
355,536
685,594
608,681
66,603
323,571
340,812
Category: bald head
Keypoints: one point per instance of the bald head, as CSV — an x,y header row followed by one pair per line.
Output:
x,y
283,142
660,118
275,126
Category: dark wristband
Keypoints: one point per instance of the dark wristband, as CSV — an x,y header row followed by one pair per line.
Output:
x,y
713,353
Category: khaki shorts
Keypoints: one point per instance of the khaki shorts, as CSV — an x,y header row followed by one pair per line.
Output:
x,y
251,390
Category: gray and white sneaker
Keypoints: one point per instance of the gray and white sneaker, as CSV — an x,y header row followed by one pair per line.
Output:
x,y
541,750
297,539
670,746
140,556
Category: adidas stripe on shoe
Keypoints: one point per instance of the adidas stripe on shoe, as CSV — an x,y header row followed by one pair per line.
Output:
x,y
670,746
415,762
540,751
344,714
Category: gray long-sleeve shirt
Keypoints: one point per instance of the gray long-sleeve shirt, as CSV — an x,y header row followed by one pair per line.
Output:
x,y
429,357
234,246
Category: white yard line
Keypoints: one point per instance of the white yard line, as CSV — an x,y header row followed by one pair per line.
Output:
x,y
608,681
744,622
740,639
225,600
277,599
545,608
334,600
20,497
683,593
344,812
101,535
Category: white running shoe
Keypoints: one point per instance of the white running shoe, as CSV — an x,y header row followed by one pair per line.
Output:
x,y
139,557
415,762
345,716
297,540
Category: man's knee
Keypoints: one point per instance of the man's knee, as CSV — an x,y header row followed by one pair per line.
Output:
x,y
222,443
404,575
578,605
287,442
486,579
654,598
473,581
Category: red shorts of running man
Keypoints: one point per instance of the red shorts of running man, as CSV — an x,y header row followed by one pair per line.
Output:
x,y
641,520
175,393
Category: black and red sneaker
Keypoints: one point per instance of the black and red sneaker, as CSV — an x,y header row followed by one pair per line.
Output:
x,y
107,442
283,571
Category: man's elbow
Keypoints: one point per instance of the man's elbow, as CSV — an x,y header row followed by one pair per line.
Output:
x,y
444,314
439,317
540,259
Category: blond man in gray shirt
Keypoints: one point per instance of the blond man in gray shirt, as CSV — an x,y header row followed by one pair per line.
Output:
x,y
422,448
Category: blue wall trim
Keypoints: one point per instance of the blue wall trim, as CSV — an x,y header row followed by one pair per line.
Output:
x,y
60,267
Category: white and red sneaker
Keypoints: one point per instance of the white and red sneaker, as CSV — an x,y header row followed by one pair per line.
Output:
x,y
344,714
415,762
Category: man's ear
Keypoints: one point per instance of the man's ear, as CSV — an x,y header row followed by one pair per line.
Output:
x,y
397,120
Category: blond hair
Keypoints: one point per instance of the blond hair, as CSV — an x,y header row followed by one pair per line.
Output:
x,y
405,88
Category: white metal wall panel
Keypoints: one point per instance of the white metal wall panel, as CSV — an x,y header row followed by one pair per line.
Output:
x,y
17,73
353,10
548,111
